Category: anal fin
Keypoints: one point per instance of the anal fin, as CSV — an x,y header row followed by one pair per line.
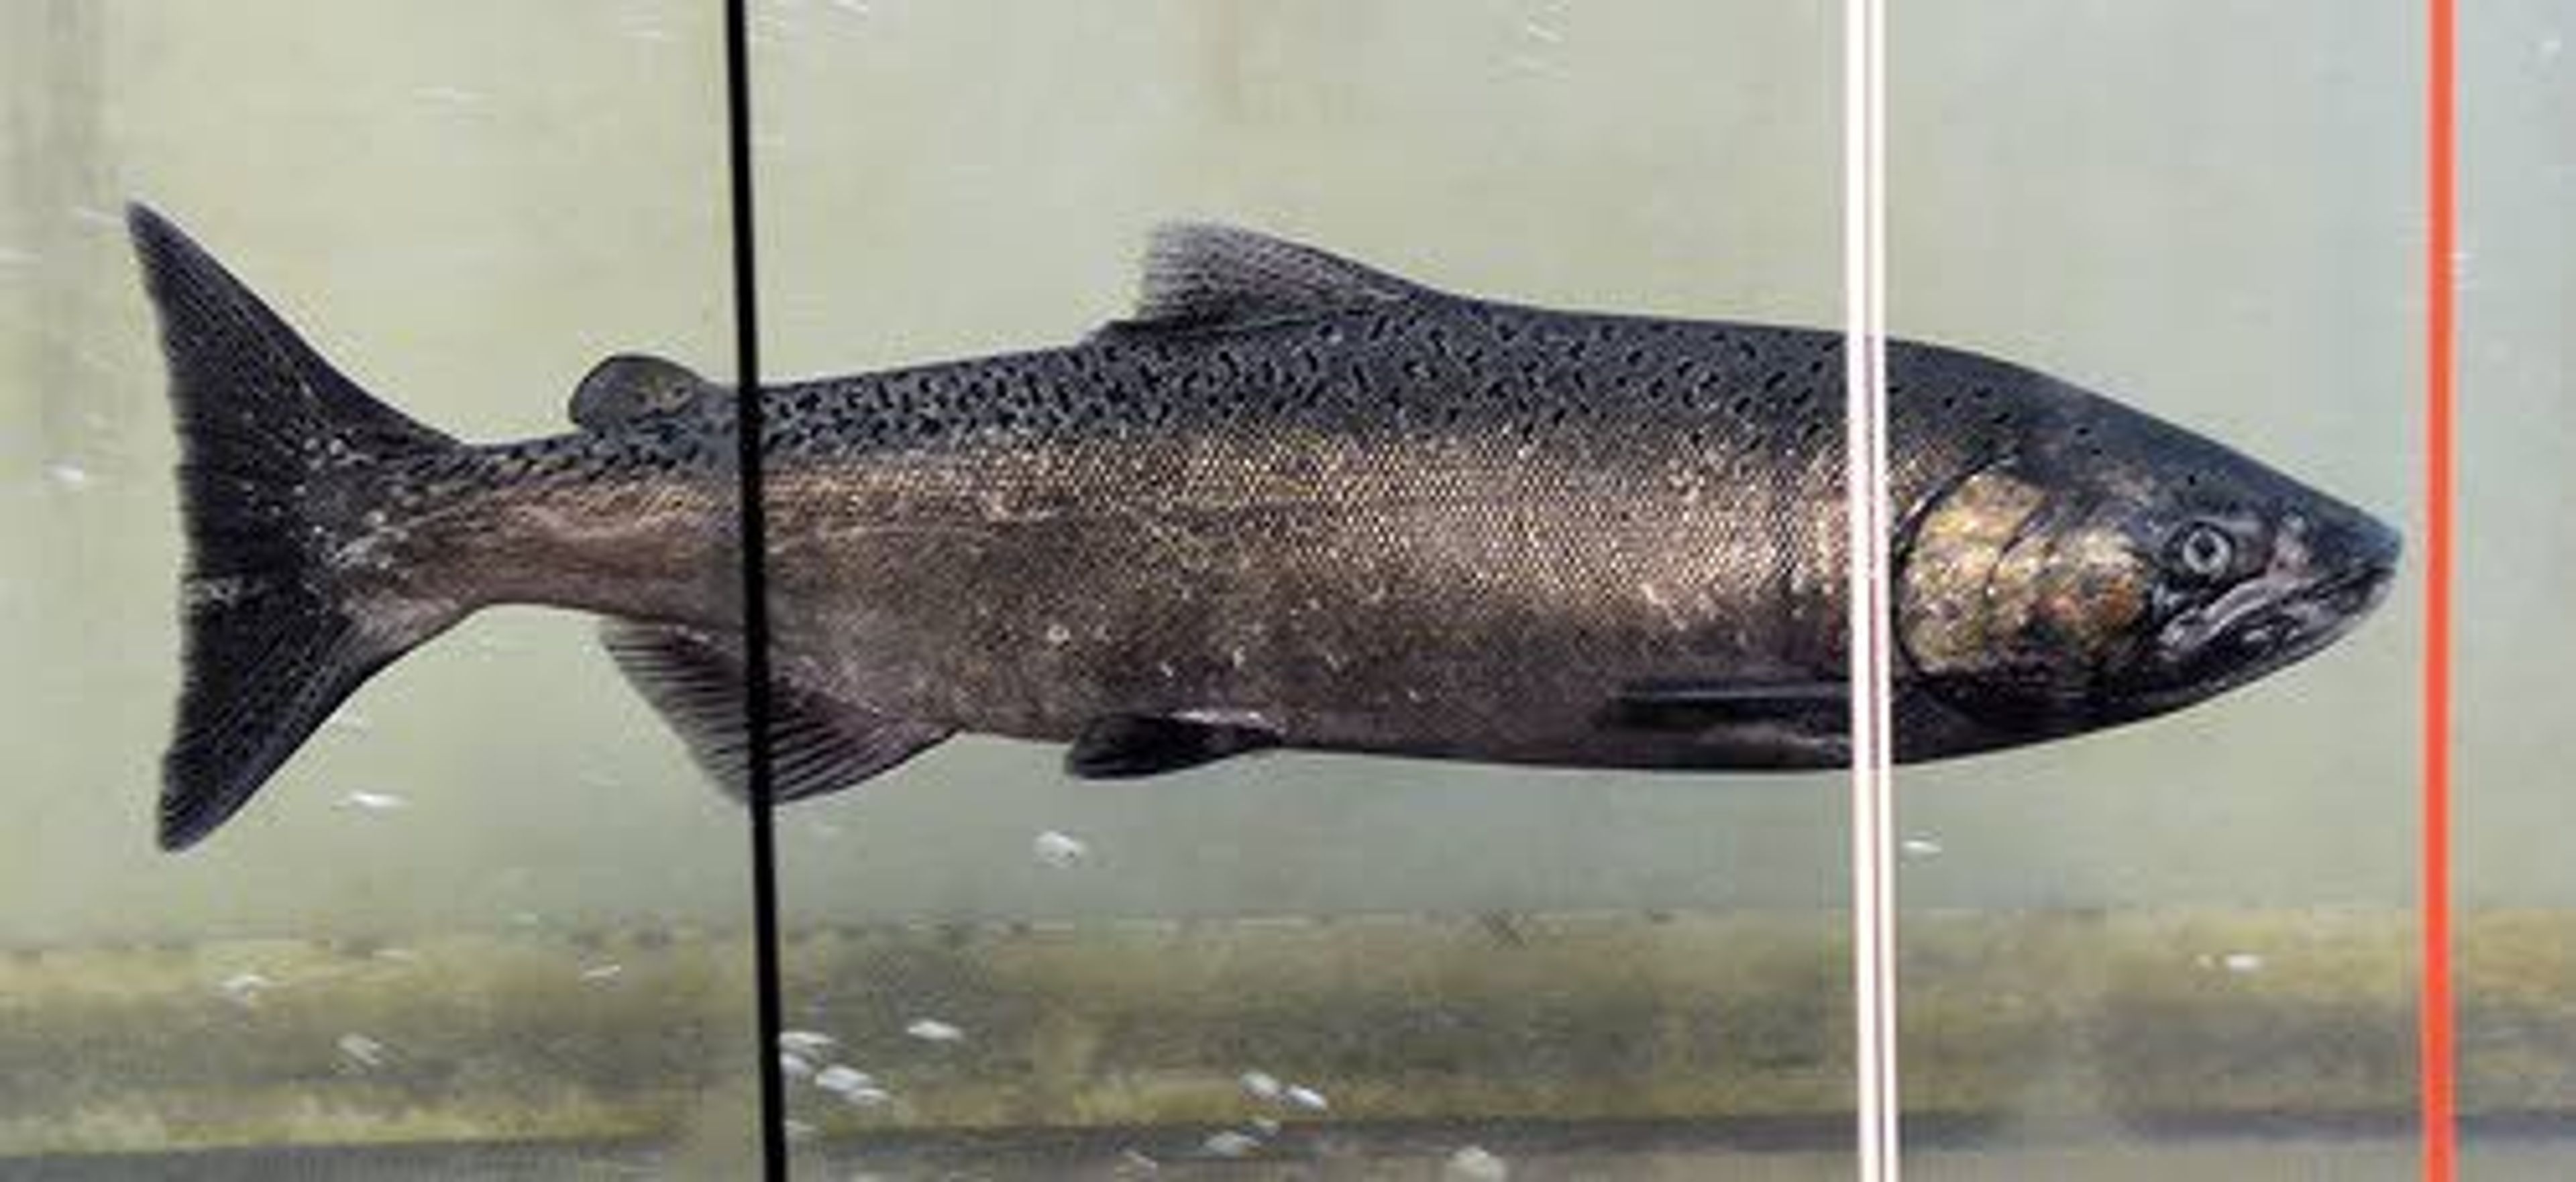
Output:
x,y
1124,746
818,743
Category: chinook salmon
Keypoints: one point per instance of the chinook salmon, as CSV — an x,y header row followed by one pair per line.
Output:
x,y
1293,501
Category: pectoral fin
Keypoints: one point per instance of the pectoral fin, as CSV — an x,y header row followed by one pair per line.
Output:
x,y
1123,746
1788,724
818,743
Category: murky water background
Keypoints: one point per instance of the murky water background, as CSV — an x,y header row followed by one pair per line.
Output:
x,y
2213,213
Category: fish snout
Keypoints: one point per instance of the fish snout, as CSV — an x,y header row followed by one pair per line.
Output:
x,y
2384,546
2355,556
2343,569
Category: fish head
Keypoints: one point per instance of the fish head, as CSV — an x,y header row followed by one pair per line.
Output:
x,y
2114,567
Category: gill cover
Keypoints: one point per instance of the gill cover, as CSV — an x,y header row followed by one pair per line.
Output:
x,y
2023,595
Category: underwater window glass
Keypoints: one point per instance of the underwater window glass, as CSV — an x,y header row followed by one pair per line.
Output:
x,y
1265,483
1172,434
2515,277
479,918
2188,941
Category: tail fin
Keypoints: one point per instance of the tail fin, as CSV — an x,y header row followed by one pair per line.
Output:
x,y
272,643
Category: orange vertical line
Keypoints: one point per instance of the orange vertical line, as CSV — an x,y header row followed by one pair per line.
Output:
x,y
2439,1094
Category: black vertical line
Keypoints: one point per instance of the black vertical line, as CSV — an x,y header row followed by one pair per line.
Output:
x,y
754,551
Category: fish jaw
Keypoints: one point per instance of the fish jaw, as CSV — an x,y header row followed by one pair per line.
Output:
x,y
2330,568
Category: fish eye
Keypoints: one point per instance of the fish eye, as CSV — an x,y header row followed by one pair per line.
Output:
x,y
2204,551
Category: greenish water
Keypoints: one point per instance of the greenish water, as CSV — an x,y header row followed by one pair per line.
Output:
x,y
1428,1156
2212,211
465,205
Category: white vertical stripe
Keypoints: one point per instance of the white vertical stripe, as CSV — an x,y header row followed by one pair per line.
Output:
x,y
1873,811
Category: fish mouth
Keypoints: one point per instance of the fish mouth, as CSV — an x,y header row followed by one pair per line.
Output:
x,y
2304,621
2261,633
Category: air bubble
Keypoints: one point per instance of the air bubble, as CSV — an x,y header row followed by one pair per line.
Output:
x,y
1059,850
934,1030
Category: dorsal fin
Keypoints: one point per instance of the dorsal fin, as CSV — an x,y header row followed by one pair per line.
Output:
x,y
631,385
1200,276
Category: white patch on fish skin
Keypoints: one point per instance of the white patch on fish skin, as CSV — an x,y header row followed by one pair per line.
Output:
x,y
202,592
933,1030
1260,1085
1228,716
1658,600
1306,1098
1060,850
366,1053
381,802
